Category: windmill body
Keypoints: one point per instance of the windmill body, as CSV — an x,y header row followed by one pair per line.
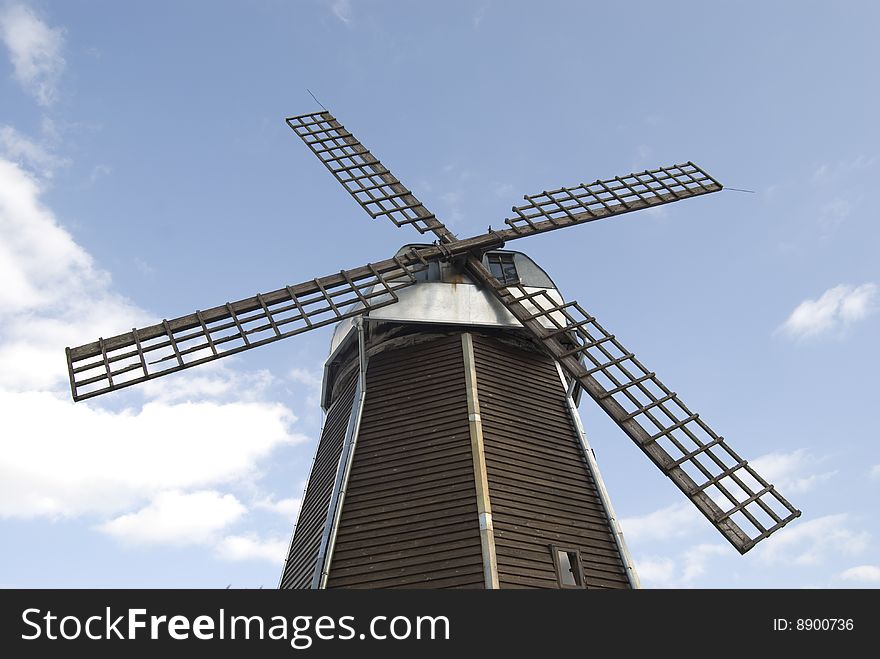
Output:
x,y
452,453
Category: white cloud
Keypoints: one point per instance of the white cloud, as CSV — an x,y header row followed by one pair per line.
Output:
x,y
61,459
836,308
52,295
788,471
696,558
342,10
45,262
215,381
875,471
664,572
311,378
19,148
288,508
35,51
154,472
862,574
250,547
177,518
675,521
655,571
813,541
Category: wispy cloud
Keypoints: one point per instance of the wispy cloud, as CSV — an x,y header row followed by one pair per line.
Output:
x,y
869,574
656,571
454,186
480,14
217,382
814,541
504,190
285,507
312,379
665,572
657,211
143,267
35,50
453,197
837,308
697,558
99,171
17,147
833,214
829,172
644,153
342,10
453,203
677,520
252,547
793,472
875,471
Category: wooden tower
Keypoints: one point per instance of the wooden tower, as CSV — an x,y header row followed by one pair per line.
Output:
x,y
452,453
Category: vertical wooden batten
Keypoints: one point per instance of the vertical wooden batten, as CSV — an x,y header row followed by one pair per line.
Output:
x,y
410,519
543,493
484,505
334,510
593,466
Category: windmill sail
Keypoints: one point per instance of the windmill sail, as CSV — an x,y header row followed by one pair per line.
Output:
x,y
743,506
564,207
173,345
366,179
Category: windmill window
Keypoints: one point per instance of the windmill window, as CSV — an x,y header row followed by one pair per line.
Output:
x,y
568,567
503,268
431,273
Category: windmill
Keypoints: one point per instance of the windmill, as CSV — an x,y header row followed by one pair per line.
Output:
x,y
452,453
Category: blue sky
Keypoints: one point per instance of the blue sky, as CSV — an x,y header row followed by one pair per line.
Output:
x,y
146,171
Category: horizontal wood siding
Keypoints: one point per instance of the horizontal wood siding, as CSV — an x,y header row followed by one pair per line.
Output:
x,y
541,489
300,567
409,519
